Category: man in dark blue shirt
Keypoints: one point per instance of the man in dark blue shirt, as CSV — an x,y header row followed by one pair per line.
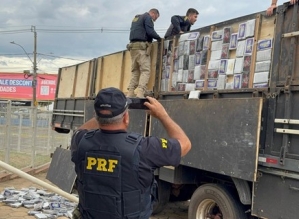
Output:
x,y
182,24
141,36
115,168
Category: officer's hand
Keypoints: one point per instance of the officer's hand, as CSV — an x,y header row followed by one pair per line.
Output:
x,y
155,108
269,11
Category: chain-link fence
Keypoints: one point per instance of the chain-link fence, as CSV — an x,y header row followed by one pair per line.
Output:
x,y
26,136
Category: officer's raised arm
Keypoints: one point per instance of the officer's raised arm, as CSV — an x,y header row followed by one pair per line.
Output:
x,y
172,128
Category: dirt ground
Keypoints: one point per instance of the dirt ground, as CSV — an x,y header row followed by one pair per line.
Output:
x,y
176,210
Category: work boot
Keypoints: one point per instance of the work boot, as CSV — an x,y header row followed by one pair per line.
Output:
x,y
131,93
140,93
148,93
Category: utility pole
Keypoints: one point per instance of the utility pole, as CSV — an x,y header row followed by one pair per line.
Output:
x,y
34,101
34,106
34,81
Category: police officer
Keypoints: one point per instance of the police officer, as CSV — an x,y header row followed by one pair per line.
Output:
x,y
115,168
182,24
141,36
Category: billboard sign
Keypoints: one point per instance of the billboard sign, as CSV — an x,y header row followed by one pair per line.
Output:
x,y
13,86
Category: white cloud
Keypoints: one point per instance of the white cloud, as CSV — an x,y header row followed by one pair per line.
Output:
x,y
87,14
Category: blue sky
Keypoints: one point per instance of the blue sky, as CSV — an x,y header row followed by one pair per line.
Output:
x,y
71,31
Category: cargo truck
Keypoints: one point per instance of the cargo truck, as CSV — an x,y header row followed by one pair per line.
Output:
x,y
244,161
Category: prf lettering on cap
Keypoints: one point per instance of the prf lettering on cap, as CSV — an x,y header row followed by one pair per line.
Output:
x,y
102,164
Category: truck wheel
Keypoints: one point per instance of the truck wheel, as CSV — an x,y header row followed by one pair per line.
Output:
x,y
164,189
210,200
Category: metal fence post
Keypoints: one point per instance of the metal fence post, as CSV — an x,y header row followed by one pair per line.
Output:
x,y
49,133
20,132
8,132
34,130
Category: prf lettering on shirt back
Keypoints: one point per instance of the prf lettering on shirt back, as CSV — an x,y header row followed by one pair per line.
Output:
x,y
102,164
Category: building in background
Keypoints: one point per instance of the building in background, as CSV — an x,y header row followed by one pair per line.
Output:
x,y
18,88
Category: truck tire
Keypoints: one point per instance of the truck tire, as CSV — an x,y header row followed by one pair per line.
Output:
x,y
210,199
164,189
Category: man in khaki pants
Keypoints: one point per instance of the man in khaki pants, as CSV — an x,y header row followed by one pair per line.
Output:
x,y
141,36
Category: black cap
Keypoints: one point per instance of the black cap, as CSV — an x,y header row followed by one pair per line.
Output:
x,y
111,99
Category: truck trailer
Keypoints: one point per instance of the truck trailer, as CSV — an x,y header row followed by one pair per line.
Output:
x,y
243,122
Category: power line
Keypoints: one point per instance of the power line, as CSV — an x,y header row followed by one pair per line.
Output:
x,y
74,30
14,54
14,31
61,57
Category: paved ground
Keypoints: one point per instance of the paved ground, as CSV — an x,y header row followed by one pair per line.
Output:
x,y
172,211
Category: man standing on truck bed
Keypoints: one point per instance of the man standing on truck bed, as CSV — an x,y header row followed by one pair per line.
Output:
x,y
182,24
274,5
142,34
114,168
